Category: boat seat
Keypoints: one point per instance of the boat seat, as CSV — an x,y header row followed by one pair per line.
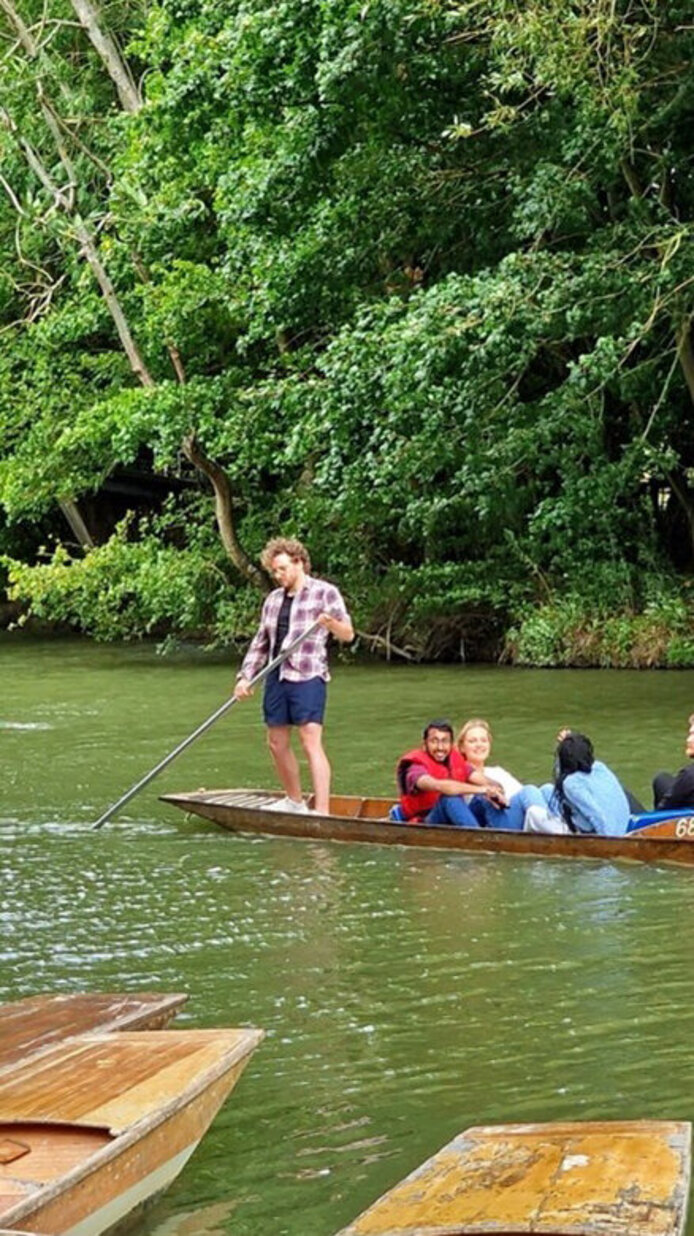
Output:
x,y
345,806
654,817
375,808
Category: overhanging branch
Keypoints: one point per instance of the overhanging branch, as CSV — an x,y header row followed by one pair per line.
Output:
x,y
224,512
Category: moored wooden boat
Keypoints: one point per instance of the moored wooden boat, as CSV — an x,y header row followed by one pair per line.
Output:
x,y
97,1124
622,1178
657,837
37,1023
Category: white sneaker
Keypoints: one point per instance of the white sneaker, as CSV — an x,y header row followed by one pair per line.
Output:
x,y
290,805
541,820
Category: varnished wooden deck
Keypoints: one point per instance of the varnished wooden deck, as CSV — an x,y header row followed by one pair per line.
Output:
x,y
112,1081
626,1178
40,1022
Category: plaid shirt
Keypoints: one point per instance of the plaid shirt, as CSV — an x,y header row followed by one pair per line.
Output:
x,y
310,660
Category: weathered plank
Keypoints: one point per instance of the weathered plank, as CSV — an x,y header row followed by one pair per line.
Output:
x,y
32,1025
112,1081
627,1178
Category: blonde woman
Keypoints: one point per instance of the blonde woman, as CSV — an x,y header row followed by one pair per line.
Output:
x,y
475,745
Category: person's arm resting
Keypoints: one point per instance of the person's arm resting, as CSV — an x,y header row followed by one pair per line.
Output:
x,y
487,786
446,785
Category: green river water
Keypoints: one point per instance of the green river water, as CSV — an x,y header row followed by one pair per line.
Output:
x,y
405,995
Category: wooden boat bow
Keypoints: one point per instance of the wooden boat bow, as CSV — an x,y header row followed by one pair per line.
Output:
x,y
92,1124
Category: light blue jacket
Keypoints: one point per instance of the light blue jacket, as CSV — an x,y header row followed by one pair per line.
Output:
x,y
597,801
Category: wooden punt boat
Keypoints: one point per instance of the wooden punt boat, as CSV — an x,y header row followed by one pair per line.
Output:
x,y
624,1178
98,1123
656,837
37,1023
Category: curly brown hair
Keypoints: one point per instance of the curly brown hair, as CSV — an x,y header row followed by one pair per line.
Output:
x,y
285,545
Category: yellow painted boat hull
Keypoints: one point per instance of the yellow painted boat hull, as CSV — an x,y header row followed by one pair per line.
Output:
x,y
627,1178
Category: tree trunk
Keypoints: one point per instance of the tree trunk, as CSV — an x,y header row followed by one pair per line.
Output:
x,y
106,49
88,247
685,353
63,197
683,330
224,513
686,501
632,178
72,514
110,295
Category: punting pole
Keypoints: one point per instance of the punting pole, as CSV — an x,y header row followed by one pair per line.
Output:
x,y
206,725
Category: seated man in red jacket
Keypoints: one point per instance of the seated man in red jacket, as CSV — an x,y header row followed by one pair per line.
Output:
x,y
433,778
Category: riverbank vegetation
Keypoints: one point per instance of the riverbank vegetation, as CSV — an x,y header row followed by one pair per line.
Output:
x,y
410,279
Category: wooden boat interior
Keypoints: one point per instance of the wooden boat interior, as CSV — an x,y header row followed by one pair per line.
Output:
x,y
350,806
243,805
622,1178
342,806
356,807
66,1107
39,1022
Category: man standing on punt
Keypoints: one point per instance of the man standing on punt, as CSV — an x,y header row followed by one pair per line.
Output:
x,y
295,692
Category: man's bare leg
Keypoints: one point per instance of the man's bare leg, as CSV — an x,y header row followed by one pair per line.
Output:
x,y
311,735
280,744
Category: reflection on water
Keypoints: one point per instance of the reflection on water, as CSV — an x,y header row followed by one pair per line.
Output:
x,y
405,995
210,1220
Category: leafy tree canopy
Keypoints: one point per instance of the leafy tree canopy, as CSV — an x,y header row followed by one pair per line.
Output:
x,y
416,276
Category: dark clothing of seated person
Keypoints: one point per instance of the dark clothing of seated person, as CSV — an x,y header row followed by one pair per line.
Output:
x,y
433,778
676,790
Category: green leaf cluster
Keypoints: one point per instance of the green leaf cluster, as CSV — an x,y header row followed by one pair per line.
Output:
x,y
427,268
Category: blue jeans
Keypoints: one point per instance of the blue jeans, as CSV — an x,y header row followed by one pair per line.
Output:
x,y
512,817
452,809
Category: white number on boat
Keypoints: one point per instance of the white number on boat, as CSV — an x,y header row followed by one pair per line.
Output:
x,y
684,828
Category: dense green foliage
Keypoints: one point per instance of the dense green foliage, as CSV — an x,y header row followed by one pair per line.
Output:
x,y
428,270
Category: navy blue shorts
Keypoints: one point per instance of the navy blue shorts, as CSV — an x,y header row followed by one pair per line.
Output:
x,y
293,703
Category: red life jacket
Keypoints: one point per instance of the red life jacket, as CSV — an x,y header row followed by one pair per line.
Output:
x,y
417,806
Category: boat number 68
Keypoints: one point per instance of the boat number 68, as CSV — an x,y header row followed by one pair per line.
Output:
x,y
684,828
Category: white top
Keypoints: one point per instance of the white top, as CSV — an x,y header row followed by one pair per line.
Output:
x,y
509,784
